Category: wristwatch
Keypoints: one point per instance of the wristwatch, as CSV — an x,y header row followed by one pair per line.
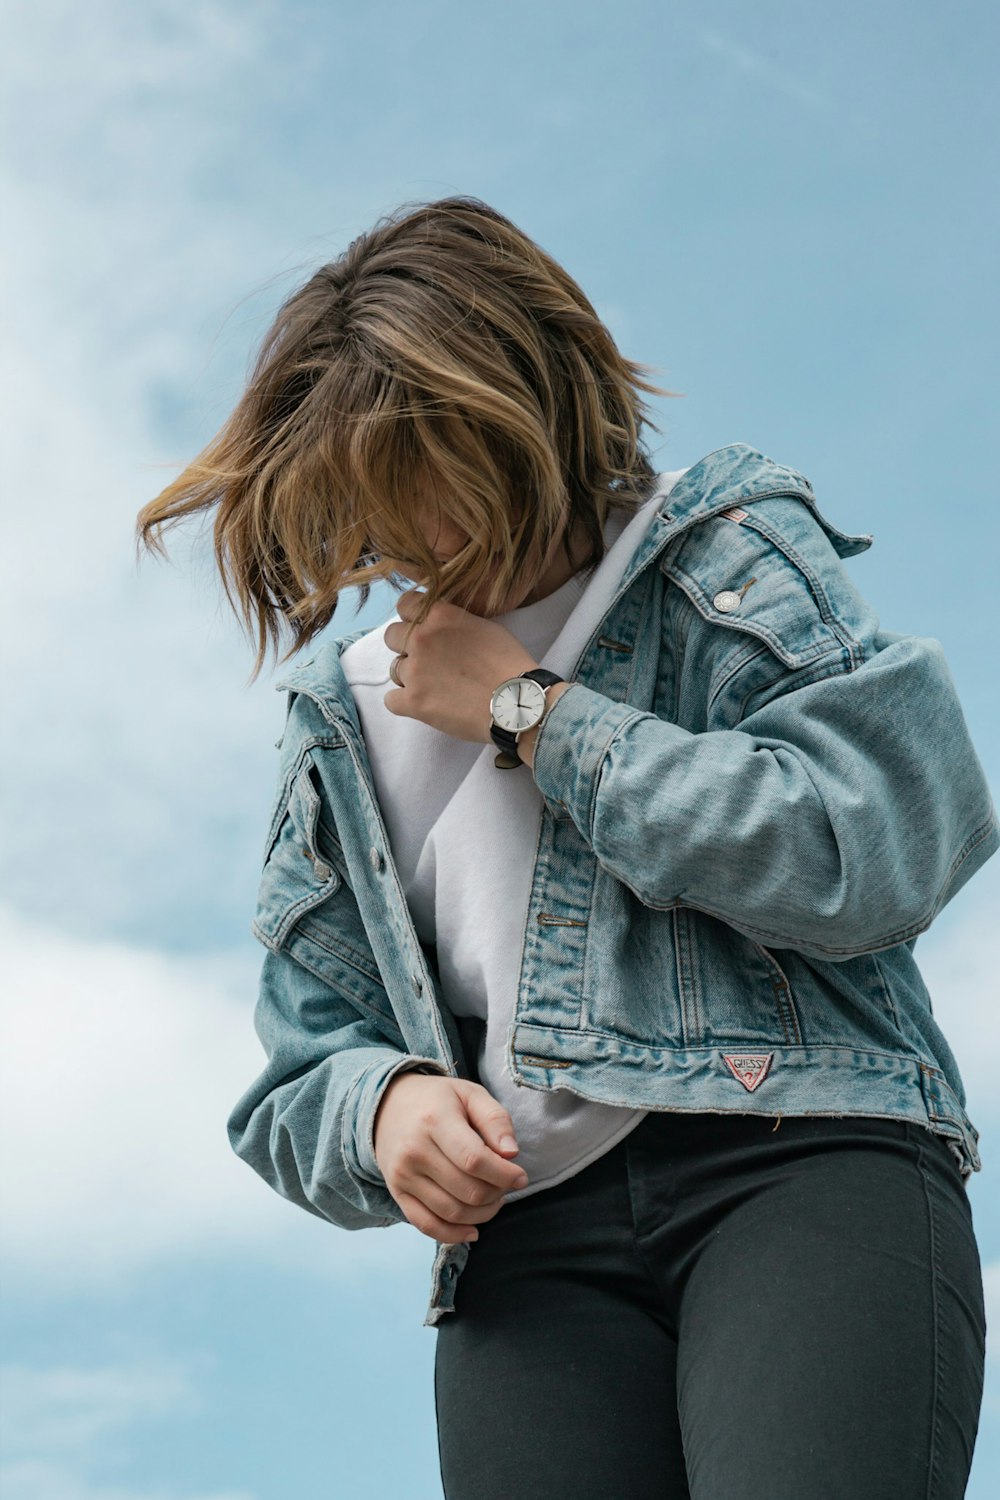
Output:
x,y
517,704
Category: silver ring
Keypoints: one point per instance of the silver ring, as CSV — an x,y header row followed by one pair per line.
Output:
x,y
393,665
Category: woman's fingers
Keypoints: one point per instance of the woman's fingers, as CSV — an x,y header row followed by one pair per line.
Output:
x,y
422,1218
431,1144
490,1120
458,1197
467,1187
466,1150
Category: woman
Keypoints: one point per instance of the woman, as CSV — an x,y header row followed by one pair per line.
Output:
x,y
590,892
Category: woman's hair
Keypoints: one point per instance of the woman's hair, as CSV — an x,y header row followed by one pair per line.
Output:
x,y
444,360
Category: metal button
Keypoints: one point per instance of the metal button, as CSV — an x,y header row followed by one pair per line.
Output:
x,y
375,855
727,601
322,870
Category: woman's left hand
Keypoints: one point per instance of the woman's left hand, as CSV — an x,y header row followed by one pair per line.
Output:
x,y
453,663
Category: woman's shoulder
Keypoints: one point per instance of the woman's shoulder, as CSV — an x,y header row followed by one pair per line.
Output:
x,y
758,562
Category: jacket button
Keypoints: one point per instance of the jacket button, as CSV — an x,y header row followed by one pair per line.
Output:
x,y
727,601
322,871
375,855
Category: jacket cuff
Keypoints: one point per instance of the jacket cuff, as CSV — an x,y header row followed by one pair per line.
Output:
x,y
366,1095
573,740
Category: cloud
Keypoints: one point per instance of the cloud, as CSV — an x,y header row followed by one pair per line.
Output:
x,y
120,1065
763,68
67,1409
137,765
36,1479
957,957
991,1289
119,1068
61,1422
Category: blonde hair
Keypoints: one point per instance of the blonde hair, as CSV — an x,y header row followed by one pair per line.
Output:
x,y
442,354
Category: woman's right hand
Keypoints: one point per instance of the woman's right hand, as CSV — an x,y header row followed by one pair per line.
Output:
x,y
438,1146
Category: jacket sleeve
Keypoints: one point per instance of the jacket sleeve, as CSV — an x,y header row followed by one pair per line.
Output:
x,y
841,806
306,1123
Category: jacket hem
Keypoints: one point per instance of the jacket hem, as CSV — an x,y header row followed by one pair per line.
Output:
x,y
824,1079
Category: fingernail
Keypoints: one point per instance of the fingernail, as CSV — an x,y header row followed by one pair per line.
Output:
x,y
508,1143
474,1235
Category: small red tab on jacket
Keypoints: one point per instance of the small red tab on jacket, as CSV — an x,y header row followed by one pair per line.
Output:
x,y
734,514
749,1067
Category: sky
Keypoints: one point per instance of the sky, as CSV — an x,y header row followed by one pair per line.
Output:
x,y
784,212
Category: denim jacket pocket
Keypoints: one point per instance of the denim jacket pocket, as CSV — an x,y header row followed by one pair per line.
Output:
x,y
300,868
775,574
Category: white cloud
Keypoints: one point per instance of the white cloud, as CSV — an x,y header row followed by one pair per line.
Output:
x,y
37,1479
120,1065
991,1290
133,750
119,1068
957,957
137,767
71,1409
763,68
136,762
62,1421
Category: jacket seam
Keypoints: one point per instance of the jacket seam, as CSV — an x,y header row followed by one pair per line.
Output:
x,y
601,757
905,1053
784,998
975,838
837,663
733,666
348,1121
935,1423
291,914
819,592
364,1010
820,596
683,524
349,956
698,601
827,665
784,940
889,1003
283,796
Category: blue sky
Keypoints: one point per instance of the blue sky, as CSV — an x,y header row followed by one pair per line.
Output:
x,y
785,211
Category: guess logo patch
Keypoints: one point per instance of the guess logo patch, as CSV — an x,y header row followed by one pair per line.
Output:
x,y
734,514
749,1067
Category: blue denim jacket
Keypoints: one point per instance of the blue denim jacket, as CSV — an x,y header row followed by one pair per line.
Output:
x,y
754,800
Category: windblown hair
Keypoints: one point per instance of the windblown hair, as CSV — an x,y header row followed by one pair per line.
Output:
x,y
443,359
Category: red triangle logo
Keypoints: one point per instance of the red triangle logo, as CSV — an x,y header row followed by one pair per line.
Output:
x,y
750,1068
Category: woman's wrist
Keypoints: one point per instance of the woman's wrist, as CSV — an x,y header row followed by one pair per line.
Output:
x,y
527,737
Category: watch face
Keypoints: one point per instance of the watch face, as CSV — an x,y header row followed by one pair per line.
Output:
x,y
518,703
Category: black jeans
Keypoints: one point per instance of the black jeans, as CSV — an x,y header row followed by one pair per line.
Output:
x,y
722,1307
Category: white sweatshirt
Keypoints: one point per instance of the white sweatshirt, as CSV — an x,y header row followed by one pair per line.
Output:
x,y
463,836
